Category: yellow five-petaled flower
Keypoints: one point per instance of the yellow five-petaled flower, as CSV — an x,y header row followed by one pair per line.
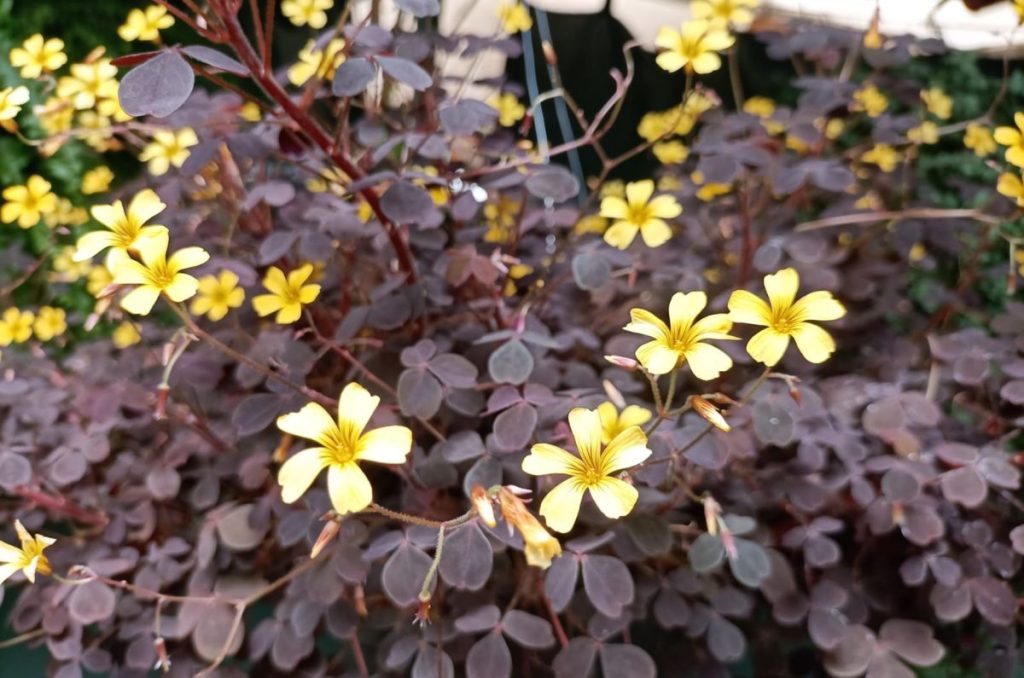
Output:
x,y
287,295
126,229
27,204
340,445
592,471
158,274
785,317
168,149
614,422
638,213
307,12
37,55
145,24
28,557
684,339
217,295
694,47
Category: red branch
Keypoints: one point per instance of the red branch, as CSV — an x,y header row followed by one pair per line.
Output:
x,y
61,505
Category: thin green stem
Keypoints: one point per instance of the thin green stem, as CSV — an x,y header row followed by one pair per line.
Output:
x,y
735,81
428,580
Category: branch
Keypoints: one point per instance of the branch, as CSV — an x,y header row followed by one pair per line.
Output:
x,y
909,213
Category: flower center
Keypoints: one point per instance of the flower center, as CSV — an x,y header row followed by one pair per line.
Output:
x,y
340,447
161,275
785,321
639,214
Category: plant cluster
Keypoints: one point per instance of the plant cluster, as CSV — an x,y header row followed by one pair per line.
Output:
x,y
357,352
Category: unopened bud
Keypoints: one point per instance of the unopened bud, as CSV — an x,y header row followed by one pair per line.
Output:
x,y
710,413
614,394
281,453
422,617
711,510
327,534
160,411
549,53
730,545
163,661
482,504
622,361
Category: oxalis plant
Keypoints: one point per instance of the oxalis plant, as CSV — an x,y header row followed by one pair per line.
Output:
x,y
355,378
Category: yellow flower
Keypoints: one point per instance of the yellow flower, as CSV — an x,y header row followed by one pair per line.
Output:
x,y
614,422
516,272
38,55
250,111
97,180
1018,7
514,17
709,413
145,24
11,101
1012,187
736,12
158,274
883,155
708,192
593,223
217,295
287,295
99,278
670,152
834,128
66,214
340,445
27,204
1013,139
483,505
979,139
16,326
510,110
693,47
125,335
307,12
925,133
870,100
502,217
786,317
613,187
50,322
28,557
56,116
539,546
638,213
125,231
168,148
937,102
66,269
684,338
591,471
88,83
762,107
317,62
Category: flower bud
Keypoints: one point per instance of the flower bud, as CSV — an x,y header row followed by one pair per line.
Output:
x,y
709,412
327,534
622,361
482,505
540,546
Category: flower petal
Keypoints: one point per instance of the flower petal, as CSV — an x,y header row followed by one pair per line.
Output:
x,y
819,306
814,343
182,287
355,407
634,415
91,244
655,232
639,192
309,293
545,459
614,208
683,309
586,430
8,553
657,357
707,362
275,281
621,234
145,205
300,275
6,571
767,347
665,207
626,450
311,422
299,471
188,257
714,326
265,304
349,488
745,307
781,287
288,314
561,506
141,300
615,498
385,445
646,323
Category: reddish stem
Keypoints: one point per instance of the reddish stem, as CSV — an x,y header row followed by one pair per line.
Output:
x,y
62,505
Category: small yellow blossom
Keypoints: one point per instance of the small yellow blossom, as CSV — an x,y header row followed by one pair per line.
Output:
x,y
158,274
593,223
55,116
638,213
979,139
168,148
694,47
89,82
937,102
340,445
66,214
870,100
50,322
514,17
250,112
316,62
925,133
66,269
27,204
613,187
1013,139
125,335
785,317
593,470
684,339
11,101
97,180
145,24
539,546
917,252
516,272
287,294
707,192
762,107
312,13
98,280
96,132
502,217
883,155
614,422
217,295
126,230
38,55
670,152
16,326
510,109
28,557
834,128
680,120
737,13
1011,186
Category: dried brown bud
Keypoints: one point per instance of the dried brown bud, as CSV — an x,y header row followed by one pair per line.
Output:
x,y
327,535
709,412
281,453
482,504
549,53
